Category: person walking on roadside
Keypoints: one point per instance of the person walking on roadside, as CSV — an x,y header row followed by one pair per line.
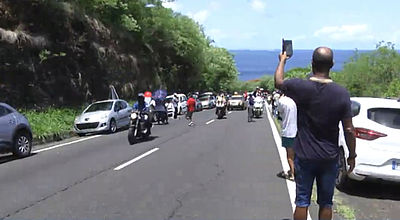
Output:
x,y
250,107
321,105
175,103
288,113
191,107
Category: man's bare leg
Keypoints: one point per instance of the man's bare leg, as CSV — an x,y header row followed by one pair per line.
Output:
x,y
300,213
290,159
325,213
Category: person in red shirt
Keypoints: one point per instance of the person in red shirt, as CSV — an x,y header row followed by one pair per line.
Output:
x,y
191,107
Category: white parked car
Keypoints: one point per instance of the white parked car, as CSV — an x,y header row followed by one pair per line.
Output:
x,y
103,116
207,100
377,125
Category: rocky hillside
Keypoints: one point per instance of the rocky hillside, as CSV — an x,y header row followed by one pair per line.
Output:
x,y
68,52
55,54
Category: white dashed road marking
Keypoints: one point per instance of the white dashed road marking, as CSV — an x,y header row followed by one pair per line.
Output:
x,y
209,122
136,159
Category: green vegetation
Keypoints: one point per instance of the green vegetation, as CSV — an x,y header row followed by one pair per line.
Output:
x,y
375,74
343,210
51,121
72,50
183,57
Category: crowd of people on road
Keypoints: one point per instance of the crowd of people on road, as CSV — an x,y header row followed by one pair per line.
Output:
x,y
310,111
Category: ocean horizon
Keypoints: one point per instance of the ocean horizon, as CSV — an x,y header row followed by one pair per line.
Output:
x,y
253,64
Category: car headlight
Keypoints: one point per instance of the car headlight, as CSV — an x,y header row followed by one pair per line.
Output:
x,y
133,116
105,116
77,119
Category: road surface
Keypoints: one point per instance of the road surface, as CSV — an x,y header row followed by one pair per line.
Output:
x,y
218,169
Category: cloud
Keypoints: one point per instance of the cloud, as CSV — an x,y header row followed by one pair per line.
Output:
x,y
214,5
345,32
258,5
200,16
299,37
172,5
216,34
247,35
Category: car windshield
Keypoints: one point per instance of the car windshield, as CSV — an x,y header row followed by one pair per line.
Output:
x,y
204,98
101,106
236,98
389,117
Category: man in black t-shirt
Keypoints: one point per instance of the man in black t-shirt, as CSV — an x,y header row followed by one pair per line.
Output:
x,y
321,105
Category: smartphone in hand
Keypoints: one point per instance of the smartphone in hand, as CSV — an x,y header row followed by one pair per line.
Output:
x,y
287,46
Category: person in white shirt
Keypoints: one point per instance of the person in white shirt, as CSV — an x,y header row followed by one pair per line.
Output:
x,y
288,112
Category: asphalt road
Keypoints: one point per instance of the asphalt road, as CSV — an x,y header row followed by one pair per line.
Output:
x,y
221,169
218,169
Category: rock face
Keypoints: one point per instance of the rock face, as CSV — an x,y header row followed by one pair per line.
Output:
x,y
53,54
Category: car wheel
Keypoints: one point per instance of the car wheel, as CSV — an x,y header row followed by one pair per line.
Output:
x,y
81,134
22,144
342,178
113,126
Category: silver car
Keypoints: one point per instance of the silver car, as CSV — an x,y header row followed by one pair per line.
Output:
x,y
15,132
103,116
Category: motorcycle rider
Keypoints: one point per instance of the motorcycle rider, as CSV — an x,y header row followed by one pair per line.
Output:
x,y
221,98
140,105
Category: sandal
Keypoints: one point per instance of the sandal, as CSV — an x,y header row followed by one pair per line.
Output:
x,y
285,175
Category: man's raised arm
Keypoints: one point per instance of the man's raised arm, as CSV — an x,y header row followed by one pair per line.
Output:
x,y
280,70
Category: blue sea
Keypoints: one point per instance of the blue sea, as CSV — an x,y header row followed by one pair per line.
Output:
x,y
252,64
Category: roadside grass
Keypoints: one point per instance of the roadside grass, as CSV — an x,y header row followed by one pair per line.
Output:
x,y
339,207
51,121
342,209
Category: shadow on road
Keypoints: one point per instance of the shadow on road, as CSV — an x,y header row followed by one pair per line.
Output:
x,y
373,189
9,158
143,140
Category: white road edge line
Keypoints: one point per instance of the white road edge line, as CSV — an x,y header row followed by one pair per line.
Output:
x,y
209,122
282,154
136,159
65,144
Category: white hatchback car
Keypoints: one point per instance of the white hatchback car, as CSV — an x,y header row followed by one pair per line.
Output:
x,y
108,115
377,125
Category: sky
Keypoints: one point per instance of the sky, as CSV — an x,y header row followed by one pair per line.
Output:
x,y
261,24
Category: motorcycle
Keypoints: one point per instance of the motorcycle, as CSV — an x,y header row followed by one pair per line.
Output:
x,y
159,112
258,108
140,126
161,117
221,109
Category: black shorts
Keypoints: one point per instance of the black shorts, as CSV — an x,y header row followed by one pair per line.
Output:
x,y
189,114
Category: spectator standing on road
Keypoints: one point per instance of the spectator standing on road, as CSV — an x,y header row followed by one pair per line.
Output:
x,y
321,105
288,112
175,102
250,107
191,107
